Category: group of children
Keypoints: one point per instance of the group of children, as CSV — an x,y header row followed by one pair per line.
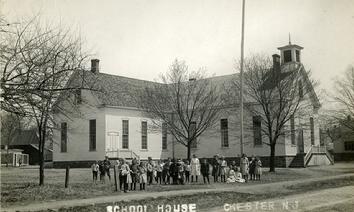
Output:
x,y
101,167
172,171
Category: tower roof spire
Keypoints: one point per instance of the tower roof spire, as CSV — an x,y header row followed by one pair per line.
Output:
x,y
289,39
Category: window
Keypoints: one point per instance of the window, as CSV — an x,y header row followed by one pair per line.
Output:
x,y
297,55
224,133
92,135
312,128
78,98
192,129
63,137
257,130
292,130
301,91
125,134
349,146
287,56
144,144
164,136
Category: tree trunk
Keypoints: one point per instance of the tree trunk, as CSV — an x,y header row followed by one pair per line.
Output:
x,y
189,151
272,158
42,137
7,156
41,168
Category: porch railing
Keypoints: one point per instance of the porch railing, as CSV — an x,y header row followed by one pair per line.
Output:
x,y
329,155
318,149
122,153
308,156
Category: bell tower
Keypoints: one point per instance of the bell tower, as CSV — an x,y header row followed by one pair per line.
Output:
x,y
290,53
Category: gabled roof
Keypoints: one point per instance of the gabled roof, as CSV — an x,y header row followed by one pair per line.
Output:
x,y
274,76
25,137
109,90
114,90
119,91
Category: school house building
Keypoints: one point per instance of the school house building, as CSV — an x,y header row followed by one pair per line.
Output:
x,y
110,124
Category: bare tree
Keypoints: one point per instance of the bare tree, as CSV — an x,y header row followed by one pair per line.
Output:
x,y
38,64
184,102
275,94
344,97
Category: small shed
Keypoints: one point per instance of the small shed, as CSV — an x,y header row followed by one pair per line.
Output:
x,y
14,157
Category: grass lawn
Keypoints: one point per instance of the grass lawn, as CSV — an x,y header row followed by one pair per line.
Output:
x,y
218,199
19,186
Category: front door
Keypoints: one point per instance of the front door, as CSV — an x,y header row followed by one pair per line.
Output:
x,y
300,141
112,144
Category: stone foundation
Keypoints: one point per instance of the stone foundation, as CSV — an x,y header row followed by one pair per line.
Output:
x,y
72,164
280,161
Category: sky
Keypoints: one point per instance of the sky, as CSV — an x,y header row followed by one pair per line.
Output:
x,y
141,38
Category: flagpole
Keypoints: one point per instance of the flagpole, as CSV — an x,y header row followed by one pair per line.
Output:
x,y
241,75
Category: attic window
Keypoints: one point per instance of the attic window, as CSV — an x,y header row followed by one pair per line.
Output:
x,y
287,56
78,97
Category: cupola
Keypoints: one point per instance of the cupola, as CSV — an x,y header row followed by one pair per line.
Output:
x,y
290,53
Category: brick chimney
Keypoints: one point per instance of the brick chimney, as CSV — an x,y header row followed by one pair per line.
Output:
x,y
95,65
276,62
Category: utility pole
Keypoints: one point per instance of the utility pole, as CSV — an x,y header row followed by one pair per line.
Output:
x,y
241,74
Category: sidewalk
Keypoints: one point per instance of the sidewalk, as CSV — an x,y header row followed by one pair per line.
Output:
x,y
253,189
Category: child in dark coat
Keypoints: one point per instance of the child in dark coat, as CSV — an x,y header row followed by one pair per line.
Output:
x,y
252,168
204,169
102,171
174,171
216,168
134,174
166,172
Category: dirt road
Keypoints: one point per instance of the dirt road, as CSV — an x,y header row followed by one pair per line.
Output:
x,y
339,199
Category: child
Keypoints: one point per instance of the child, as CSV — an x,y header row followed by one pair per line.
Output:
x,y
244,166
150,170
187,170
120,175
205,170
107,166
134,174
252,168
159,171
102,171
232,175
166,172
238,175
223,166
95,167
125,170
258,170
233,165
174,172
142,175
180,167
216,168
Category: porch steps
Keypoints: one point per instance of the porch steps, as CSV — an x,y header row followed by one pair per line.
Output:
x,y
298,161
